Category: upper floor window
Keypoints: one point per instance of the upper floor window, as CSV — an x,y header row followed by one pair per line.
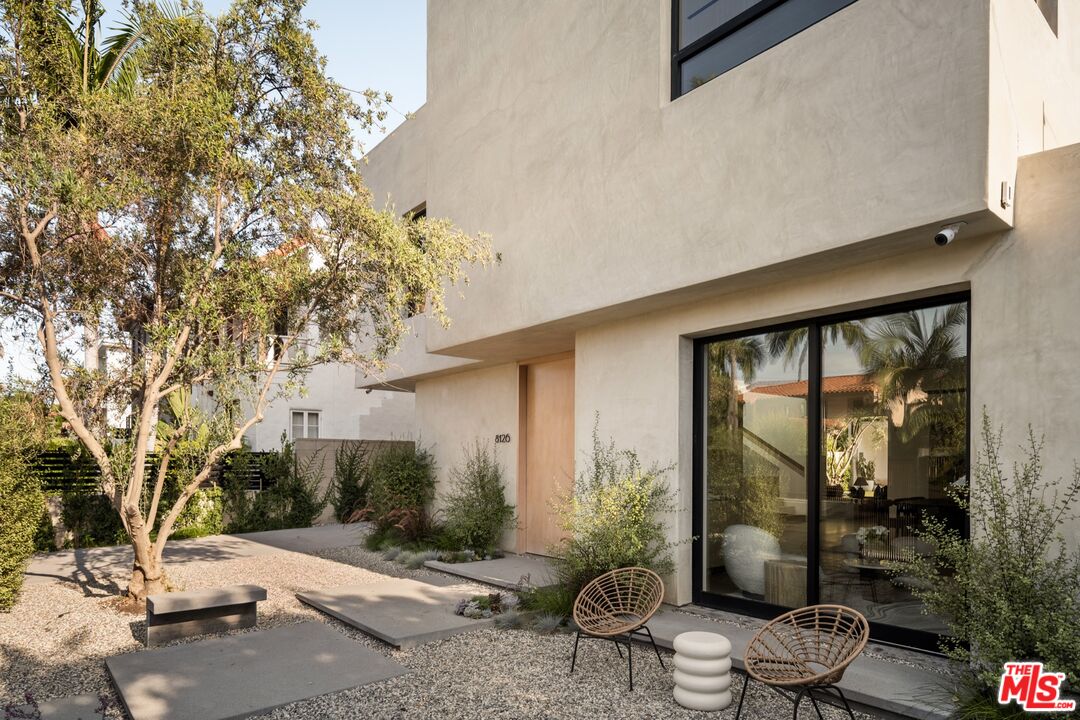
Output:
x,y
711,37
305,424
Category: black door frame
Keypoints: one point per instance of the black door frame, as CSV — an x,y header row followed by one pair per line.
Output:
x,y
891,634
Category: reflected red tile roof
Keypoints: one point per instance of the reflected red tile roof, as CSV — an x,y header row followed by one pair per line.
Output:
x,y
832,385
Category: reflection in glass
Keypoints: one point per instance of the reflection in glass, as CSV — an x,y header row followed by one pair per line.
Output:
x,y
894,438
755,473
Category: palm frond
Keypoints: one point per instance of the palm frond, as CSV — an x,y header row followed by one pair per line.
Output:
x,y
118,52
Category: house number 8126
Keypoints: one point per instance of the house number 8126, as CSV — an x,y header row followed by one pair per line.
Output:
x,y
502,438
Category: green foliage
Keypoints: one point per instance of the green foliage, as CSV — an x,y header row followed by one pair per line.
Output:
x,y
401,487
193,177
550,600
21,498
742,489
44,536
202,515
91,520
476,513
349,487
614,518
1011,591
292,499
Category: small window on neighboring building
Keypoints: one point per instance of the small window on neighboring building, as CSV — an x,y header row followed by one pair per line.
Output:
x,y
1049,10
305,424
710,37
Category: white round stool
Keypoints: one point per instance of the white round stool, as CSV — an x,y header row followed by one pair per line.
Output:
x,y
702,670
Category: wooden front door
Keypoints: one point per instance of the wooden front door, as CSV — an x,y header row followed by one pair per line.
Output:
x,y
549,449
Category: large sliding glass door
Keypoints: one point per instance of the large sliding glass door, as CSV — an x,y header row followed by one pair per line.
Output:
x,y
822,448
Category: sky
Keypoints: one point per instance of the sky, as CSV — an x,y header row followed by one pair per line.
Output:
x,y
379,44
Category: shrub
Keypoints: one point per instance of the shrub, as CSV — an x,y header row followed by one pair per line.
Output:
x,y
476,513
202,516
613,519
21,499
400,488
549,600
21,505
416,561
291,499
1011,591
349,487
547,624
92,520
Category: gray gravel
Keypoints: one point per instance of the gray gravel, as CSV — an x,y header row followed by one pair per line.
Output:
x,y
55,640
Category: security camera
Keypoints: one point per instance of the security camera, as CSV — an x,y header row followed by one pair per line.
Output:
x,y
947,234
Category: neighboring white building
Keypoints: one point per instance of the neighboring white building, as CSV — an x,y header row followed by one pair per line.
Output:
x,y
332,407
679,191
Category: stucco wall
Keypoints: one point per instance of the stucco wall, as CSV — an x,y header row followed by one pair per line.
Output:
x,y
1025,297
345,411
549,125
455,411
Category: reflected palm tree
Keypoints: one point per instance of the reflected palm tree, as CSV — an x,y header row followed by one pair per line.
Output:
x,y
728,361
792,345
919,362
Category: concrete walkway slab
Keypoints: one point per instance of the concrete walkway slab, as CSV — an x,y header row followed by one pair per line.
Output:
x,y
244,675
892,689
76,707
505,572
402,612
90,567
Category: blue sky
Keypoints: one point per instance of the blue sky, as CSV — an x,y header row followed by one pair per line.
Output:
x,y
380,44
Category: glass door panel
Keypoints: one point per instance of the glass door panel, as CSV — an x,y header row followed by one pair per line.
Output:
x,y
893,441
755,508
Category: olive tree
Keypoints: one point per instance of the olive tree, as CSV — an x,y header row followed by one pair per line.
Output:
x,y
191,190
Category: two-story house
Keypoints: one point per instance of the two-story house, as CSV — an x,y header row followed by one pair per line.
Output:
x,y
793,246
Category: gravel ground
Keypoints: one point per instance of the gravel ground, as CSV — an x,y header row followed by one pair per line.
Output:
x,y
55,640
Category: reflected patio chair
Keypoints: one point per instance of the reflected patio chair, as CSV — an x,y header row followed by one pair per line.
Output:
x,y
616,606
806,650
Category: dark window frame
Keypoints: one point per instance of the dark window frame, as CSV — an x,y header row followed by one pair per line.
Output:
x,y
887,634
758,12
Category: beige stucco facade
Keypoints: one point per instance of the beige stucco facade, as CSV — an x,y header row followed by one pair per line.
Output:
x,y
808,180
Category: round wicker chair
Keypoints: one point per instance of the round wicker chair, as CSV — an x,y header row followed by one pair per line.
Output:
x,y
616,606
808,650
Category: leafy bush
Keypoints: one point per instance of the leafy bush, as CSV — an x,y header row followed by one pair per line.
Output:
x,y
292,499
475,512
400,489
613,519
202,516
92,520
21,499
21,505
1011,591
349,487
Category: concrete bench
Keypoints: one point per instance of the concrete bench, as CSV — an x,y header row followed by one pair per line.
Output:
x,y
170,616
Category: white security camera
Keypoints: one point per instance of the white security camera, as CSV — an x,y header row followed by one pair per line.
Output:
x,y
947,234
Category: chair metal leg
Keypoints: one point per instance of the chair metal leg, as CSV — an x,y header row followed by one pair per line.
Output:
x,y
573,661
844,699
798,699
646,629
617,646
742,695
630,659
810,694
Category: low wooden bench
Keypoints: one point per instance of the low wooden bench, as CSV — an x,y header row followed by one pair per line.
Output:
x,y
170,616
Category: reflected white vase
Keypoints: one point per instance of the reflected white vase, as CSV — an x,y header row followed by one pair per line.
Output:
x,y
746,548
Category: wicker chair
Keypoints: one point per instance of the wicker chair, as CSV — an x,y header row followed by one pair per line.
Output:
x,y
808,650
616,606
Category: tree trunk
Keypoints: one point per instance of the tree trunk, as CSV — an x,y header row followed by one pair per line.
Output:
x,y
147,572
